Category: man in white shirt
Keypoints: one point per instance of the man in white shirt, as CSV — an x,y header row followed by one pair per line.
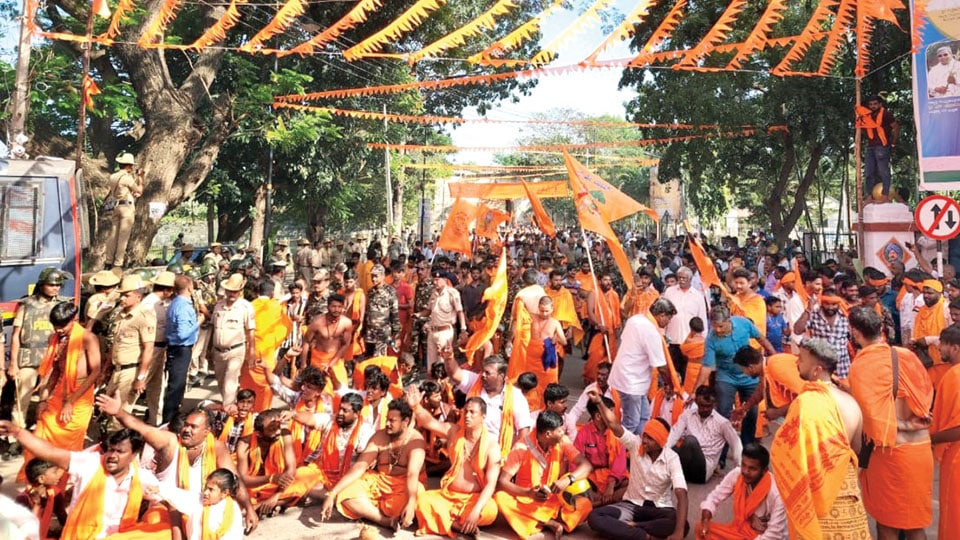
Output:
x,y
640,352
793,305
703,432
690,303
493,390
602,387
943,79
765,519
647,508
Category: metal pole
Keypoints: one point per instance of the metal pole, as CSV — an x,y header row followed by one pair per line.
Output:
x,y
423,196
386,165
21,85
84,73
859,179
268,203
596,291
940,258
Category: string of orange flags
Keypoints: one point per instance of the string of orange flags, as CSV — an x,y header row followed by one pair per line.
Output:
x,y
561,147
642,162
507,190
433,119
831,23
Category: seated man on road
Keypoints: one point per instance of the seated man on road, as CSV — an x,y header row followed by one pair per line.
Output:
x,y
780,381
383,484
758,512
667,403
534,477
572,418
554,399
647,508
267,463
702,433
464,502
606,455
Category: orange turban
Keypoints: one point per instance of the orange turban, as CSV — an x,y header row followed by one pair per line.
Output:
x,y
933,284
656,431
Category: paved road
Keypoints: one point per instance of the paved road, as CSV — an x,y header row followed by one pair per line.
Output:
x,y
305,523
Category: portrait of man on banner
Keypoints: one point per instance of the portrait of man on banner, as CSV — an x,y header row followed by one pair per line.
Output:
x,y
943,72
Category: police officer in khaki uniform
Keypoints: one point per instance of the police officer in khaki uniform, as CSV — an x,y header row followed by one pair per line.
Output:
x,y
134,332
278,273
302,261
159,299
30,336
125,188
233,341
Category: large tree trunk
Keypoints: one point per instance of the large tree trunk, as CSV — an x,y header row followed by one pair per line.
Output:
x,y
783,220
180,144
259,217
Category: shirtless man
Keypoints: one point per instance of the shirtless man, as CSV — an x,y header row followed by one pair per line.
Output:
x,y
528,297
542,359
826,422
327,339
354,300
464,501
382,485
195,443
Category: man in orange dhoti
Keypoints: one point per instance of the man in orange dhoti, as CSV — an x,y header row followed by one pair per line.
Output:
x,y
641,297
813,458
383,484
604,309
546,338
565,311
758,512
273,324
342,441
534,478
354,308
327,341
895,400
464,502
931,319
945,433
780,381
88,517
68,375
692,349
267,464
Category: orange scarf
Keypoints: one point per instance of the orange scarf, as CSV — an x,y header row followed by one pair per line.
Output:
x,y
304,442
538,474
874,125
225,524
330,458
228,427
744,505
693,351
86,520
74,351
930,322
506,422
479,461
208,465
367,412
658,403
275,462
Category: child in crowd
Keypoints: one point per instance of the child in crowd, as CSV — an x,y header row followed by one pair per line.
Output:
x,y
44,494
692,349
218,516
778,331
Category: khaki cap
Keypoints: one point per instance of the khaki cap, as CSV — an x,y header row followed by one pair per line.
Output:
x,y
234,283
131,283
164,279
303,242
104,278
321,275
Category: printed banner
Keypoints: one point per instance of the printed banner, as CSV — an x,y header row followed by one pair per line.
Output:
x,y
936,94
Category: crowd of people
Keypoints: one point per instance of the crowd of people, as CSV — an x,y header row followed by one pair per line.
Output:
x,y
351,372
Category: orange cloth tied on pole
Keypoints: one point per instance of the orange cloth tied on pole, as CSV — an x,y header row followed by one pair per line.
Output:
x,y
488,220
810,457
495,297
596,215
272,326
456,232
540,217
867,121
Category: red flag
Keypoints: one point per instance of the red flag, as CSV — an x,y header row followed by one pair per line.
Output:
x,y
613,203
592,219
540,217
456,231
496,298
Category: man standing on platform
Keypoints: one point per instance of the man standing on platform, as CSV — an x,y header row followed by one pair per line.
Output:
x,y
881,141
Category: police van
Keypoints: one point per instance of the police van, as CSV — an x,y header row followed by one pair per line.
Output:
x,y
42,225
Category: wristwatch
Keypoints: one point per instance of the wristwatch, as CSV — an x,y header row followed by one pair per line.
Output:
x,y
571,478
141,377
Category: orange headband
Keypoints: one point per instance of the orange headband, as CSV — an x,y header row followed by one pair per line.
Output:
x,y
878,282
933,284
830,299
655,430
910,282
789,277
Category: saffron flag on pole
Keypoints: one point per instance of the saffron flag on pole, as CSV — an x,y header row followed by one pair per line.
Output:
x,y
101,8
496,298
540,217
592,217
613,203
456,231
488,220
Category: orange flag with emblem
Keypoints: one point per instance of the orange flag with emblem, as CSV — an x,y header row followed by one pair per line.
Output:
x,y
496,298
592,217
456,231
540,217
612,203
488,220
